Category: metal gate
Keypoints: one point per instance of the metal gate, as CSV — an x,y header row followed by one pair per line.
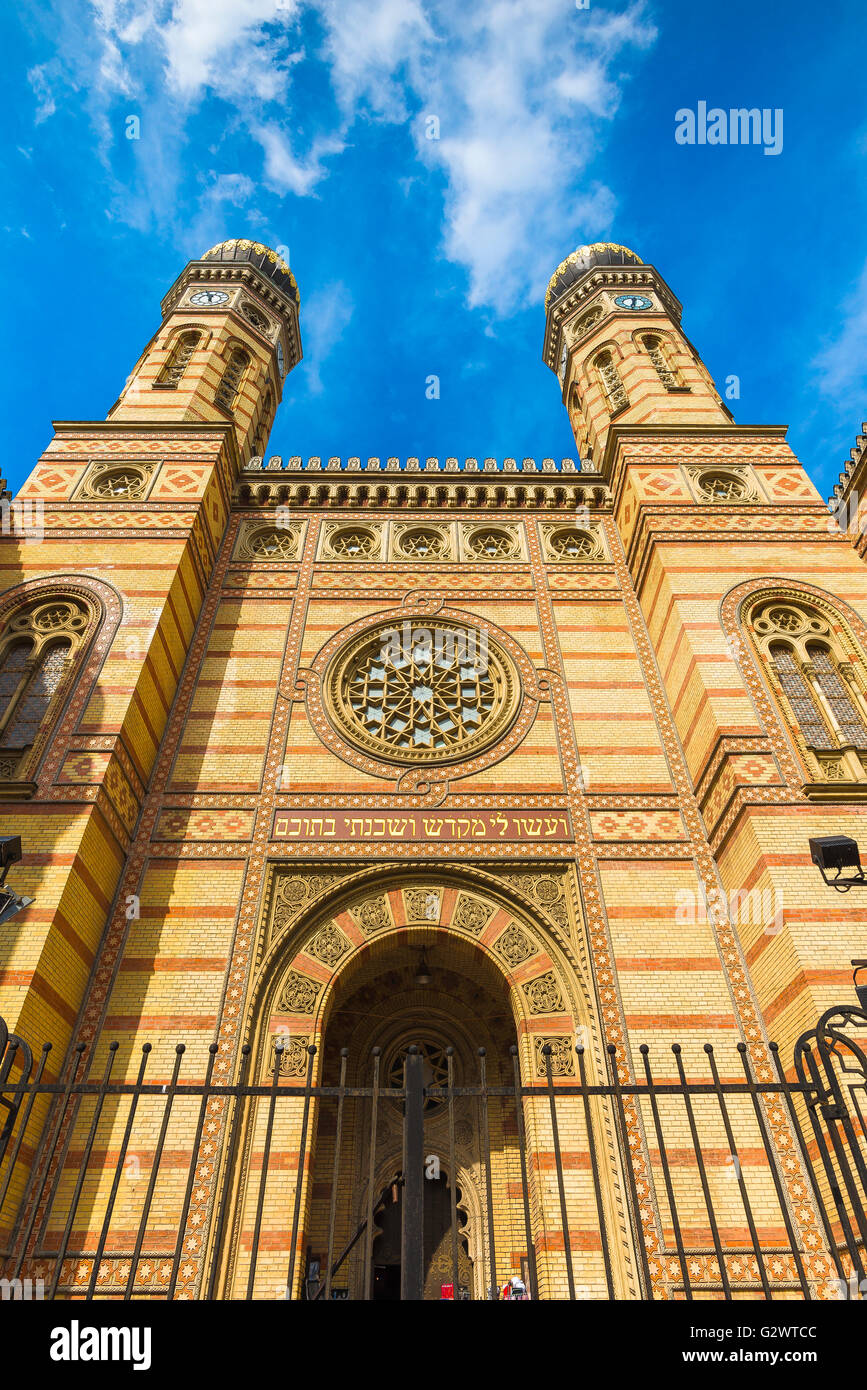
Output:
x,y
62,1224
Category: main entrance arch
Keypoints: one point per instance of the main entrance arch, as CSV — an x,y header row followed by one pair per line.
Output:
x,y
347,977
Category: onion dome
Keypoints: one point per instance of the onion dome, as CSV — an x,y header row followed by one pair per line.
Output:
x,y
582,259
262,257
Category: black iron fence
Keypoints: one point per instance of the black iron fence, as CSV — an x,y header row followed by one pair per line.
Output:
x,y
68,1220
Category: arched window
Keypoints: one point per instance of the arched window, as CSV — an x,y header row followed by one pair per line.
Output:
x,y
265,422
658,352
38,646
179,358
579,426
610,381
818,674
227,391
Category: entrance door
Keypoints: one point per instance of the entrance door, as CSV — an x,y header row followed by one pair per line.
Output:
x,y
437,1246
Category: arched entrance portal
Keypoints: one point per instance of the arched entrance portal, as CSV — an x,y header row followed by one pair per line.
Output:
x,y
339,973
385,1004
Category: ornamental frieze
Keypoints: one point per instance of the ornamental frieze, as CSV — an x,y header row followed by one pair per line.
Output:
x,y
294,893
329,823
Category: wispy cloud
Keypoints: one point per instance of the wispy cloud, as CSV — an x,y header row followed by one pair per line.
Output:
x,y
521,91
841,366
287,173
327,314
42,79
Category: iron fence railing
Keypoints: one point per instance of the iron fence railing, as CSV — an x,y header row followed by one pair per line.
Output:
x,y
60,1183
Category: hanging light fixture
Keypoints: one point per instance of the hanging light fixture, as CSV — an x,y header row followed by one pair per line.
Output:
x,y
422,976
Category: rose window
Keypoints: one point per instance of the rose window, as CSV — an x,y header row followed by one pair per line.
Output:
x,y
722,487
435,1071
352,543
414,693
117,483
422,543
573,544
273,545
492,545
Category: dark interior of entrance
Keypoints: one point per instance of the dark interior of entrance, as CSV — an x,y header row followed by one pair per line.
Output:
x,y
454,997
437,1245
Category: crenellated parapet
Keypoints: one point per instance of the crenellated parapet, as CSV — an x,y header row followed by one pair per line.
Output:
x,y
354,464
848,501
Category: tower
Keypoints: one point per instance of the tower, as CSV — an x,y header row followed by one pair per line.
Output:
x,y
613,337
102,598
749,599
229,336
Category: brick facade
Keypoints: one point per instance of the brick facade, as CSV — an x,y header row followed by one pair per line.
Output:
x,y
167,907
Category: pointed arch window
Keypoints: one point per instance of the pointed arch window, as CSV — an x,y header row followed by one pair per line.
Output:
x,y
179,358
230,384
819,676
611,381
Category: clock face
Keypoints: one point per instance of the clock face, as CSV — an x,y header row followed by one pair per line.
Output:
x,y
202,297
633,301
281,365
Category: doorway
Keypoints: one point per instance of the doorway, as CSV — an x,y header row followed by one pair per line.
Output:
x,y
438,1263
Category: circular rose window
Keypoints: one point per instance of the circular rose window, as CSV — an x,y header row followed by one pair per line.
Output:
x,y
435,1071
416,693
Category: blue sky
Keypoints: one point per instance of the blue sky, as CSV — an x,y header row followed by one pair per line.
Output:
x,y
304,125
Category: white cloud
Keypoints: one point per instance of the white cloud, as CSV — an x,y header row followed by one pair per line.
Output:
x,y
522,90
284,171
43,79
326,315
840,366
233,47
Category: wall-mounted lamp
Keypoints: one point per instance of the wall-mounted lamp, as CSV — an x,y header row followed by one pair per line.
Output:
x,y
836,853
860,990
10,853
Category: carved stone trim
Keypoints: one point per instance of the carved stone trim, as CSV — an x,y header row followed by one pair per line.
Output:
x,y
298,994
562,1055
514,945
471,914
543,995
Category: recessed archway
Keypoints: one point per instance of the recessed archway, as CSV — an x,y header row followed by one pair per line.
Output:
x,y
382,1004
339,975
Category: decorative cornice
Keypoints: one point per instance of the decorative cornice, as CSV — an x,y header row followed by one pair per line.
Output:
x,y
561,309
353,492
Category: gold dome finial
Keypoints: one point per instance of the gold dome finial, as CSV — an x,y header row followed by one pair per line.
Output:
x,y
243,249
596,253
